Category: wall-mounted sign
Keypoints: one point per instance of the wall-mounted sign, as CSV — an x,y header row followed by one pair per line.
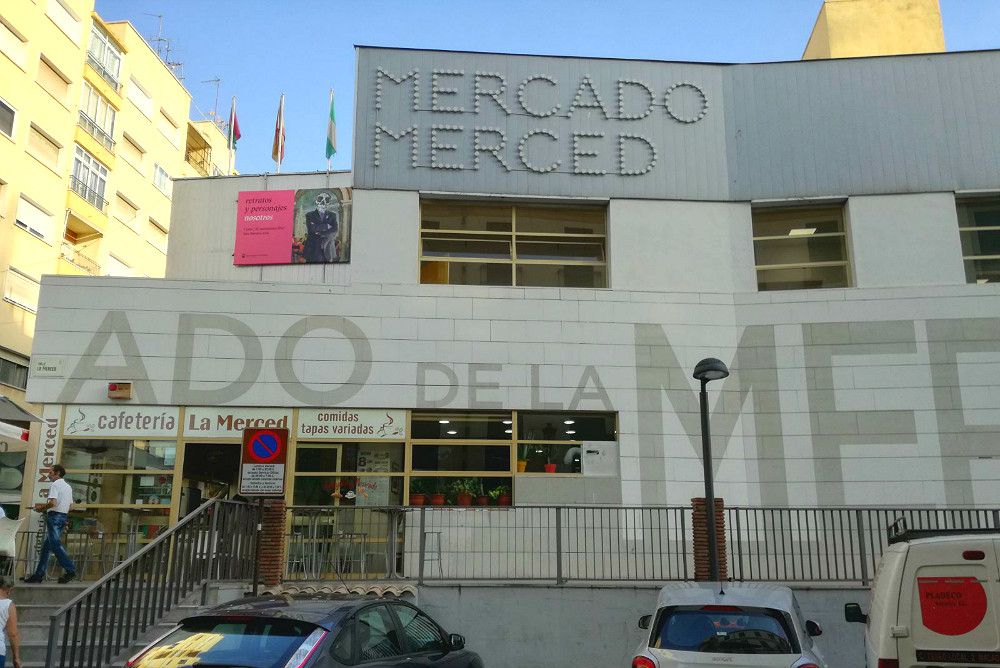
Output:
x,y
48,367
352,423
134,421
310,226
262,470
200,422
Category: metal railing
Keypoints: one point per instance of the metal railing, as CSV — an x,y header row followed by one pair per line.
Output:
x,y
69,253
216,542
586,543
103,71
828,544
96,131
94,553
87,193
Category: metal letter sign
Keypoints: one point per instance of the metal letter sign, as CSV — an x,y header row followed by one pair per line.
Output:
x,y
262,472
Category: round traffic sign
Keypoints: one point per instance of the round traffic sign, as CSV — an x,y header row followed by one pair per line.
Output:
x,y
265,447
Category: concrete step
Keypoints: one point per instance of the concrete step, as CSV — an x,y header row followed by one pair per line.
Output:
x,y
46,593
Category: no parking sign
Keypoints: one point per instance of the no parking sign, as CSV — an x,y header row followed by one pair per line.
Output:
x,y
262,472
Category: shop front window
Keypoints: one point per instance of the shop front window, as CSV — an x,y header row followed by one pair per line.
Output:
x,y
374,474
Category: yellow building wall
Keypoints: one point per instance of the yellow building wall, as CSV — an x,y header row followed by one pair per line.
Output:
x,y
854,28
81,238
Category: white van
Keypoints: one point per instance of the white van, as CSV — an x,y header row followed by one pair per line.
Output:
x,y
935,601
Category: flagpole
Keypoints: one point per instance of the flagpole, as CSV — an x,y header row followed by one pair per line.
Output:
x,y
281,130
331,106
232,118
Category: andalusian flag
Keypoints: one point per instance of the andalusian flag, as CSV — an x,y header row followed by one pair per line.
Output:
x,y
331,134
234,127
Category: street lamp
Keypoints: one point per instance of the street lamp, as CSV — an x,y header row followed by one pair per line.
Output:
x,y
707,370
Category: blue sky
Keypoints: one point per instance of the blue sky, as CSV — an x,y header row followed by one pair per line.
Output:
x,y
302,48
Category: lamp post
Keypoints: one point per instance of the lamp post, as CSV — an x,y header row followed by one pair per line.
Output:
x,y
707,370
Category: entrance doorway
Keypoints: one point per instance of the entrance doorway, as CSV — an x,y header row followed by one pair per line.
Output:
x,y
210,470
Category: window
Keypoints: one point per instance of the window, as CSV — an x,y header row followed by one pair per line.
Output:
x,y
13,45
735,630
21,289
797,249
104,56
43,147
552,442
161,179
7,115
168,128
89,178
140,98
34,220
52,80
422,634
13,374
470,244
343,647
63,17
97,116
377,638
132,153
374,474
126,212
979,228
157,235
118,267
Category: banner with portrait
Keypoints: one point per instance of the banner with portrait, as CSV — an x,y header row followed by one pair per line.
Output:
x,y
310,226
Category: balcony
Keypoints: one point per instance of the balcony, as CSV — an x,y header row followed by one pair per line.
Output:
x,y
104,72
96,131
88,193
198,151
87,265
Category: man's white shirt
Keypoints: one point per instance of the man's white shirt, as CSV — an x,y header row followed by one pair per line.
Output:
x,y
63,494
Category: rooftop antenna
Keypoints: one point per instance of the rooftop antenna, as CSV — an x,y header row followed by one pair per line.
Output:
x,y
159,39
175,66
214,114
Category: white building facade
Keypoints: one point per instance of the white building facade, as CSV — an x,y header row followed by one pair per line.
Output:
x,y
541,250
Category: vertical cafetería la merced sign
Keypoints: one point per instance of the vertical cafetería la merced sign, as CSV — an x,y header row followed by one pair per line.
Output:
x,y
533,125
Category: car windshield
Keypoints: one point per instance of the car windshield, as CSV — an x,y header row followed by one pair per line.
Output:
x,y
724,630
244,641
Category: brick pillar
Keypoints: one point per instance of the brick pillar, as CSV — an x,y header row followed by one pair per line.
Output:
x,y
699,526
272,542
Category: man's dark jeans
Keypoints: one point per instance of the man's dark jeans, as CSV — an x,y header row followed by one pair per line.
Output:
x,y
55,523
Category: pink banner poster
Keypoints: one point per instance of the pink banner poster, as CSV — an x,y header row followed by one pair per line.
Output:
x,y
265,222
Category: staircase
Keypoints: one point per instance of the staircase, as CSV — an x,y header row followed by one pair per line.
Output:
x,y
36,603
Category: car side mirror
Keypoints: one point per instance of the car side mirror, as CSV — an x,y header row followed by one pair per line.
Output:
x,y
457,641
852,613
645,621
813,629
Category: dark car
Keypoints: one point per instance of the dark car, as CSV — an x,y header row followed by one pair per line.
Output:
x,y
309,632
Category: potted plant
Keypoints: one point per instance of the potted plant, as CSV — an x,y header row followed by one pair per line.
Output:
x,y
437,496
501,494
550,466
522,457
464,488
482,498
418,492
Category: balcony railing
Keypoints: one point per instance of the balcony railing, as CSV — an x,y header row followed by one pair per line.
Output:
x,y
69,253
96,131
103,71
87,193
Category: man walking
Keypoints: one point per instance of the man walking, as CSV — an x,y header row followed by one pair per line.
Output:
x,y
60,500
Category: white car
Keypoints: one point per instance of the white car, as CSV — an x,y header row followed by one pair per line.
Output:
x,y
727,624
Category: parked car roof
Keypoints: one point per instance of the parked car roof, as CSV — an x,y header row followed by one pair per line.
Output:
x,y
324,610
757,594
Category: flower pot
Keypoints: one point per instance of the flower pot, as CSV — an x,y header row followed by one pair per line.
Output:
x,y
482,500
521,465
417,499
464,499
437,499
550,468
503,500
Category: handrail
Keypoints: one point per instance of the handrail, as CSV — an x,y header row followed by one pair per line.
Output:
x,y
215,541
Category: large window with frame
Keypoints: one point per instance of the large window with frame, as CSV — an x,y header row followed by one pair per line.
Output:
x,y
97,116
798,249
104,56
979,228
486,244
89,178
